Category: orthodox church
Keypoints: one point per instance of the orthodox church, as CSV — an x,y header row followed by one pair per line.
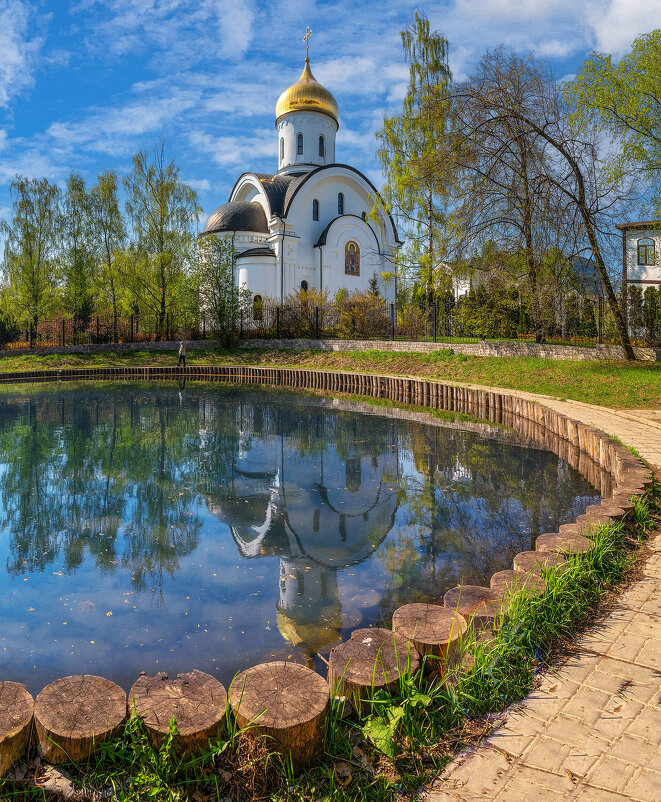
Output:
x,y
306,227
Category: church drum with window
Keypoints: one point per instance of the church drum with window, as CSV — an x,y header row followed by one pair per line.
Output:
x,y
306,226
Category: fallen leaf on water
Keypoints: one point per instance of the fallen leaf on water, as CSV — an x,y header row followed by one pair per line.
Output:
x,y
109,612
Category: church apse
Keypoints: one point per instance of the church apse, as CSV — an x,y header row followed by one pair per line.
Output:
x,y
313,490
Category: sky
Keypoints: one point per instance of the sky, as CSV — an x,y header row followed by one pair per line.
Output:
x,y
85,84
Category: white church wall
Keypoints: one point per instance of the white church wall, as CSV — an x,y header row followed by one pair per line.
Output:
x,y
311,125
259,274
325,189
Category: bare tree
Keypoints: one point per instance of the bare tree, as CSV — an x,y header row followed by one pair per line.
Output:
x,y
534,172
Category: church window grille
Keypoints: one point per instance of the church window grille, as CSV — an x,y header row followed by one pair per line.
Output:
x,y
299,145
257,308
304,286
282,148
322,147
315,209
646,254
340,203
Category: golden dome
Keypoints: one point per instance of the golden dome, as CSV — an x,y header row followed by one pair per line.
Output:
x,y
307,94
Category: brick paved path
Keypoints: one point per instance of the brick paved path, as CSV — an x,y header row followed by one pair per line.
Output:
x,y
592,730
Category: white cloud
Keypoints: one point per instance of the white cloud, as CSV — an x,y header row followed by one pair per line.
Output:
x,y
235,20
236,151
18,51
620,21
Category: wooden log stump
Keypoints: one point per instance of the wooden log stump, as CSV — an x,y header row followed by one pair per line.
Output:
x,y
614,512
372,660
287,702
511,582
435,631
623,502
73,715
538,561
592,521
563,543
481,606
16,709
196,701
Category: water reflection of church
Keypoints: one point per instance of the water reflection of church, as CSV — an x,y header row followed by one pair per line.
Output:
x,y
320,504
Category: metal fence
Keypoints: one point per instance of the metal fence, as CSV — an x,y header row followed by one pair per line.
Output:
x,y
359,319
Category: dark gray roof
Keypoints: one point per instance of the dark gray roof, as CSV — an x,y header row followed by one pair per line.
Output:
x,y
275,188
256,252
244,216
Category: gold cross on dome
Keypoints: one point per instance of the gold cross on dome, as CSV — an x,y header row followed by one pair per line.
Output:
x,y
306,39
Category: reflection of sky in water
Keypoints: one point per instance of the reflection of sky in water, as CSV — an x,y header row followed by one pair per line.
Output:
x,y
144,529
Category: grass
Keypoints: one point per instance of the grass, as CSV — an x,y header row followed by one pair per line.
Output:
x,y
403,739
616,384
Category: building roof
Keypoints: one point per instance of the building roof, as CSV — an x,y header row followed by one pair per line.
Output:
x,y
237,216
324,233
256,252
307,94
639,224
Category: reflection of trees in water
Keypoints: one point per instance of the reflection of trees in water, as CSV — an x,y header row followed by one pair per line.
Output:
x,y
472,504
117,473
89,472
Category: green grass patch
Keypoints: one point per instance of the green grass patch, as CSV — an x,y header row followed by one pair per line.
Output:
x,y
625,385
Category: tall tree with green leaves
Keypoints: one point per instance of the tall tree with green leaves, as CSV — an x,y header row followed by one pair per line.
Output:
x,y
30,250
624,100
220,296
110,233
416,186
163,211
77,256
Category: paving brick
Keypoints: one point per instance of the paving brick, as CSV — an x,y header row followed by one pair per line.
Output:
x,y
645,785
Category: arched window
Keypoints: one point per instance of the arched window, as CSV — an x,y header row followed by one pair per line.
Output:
x,y
322,147
315,209
304,286
299,145
340,203
646,255
352,259
282,148
257,308
364,215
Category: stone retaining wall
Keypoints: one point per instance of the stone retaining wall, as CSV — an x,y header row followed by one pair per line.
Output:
x,y
574,353
606,463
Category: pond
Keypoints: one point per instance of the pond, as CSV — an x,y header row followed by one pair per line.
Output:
x,y
148,527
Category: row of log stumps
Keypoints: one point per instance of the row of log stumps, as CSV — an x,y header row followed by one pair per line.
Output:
x,y
288,702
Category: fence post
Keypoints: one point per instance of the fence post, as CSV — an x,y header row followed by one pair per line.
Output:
x,y
241,324
204,327
167,325
63,333
316,321
277,323
392,321
30,333
600,322
434,320
131,328
97,329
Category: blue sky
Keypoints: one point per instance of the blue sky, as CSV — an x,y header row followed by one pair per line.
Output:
x,y
84,84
